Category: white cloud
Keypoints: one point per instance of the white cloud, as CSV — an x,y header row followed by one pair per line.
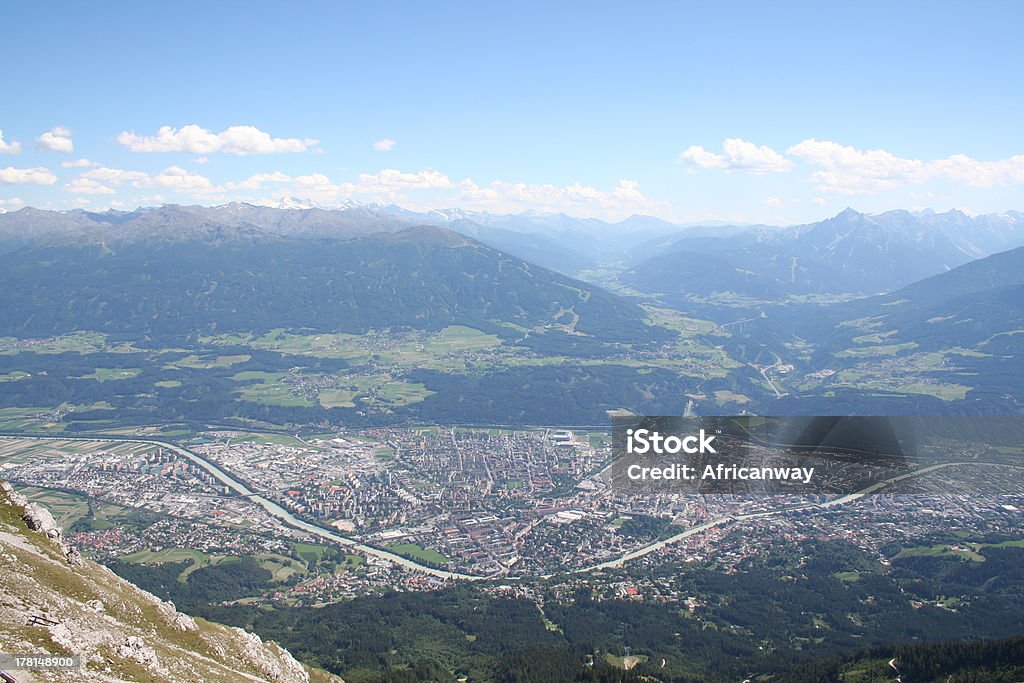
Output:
x,y
774,202
178,180
80,163
431,189
11,147
12,204
386,185
114,176
27,176
390,180
316,187
88,186
964,169
738,156
275,177
576,199
102,180
81,202
255,181
385,145
57,139
847,170
240,140
843,169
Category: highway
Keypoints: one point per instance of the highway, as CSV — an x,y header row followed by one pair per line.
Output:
x,y
273,508
764,373
291,520
841,500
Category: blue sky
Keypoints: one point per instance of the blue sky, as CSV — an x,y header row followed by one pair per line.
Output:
x,y
687,111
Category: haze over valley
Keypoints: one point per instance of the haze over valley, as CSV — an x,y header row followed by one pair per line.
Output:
x,y
889,313
512,343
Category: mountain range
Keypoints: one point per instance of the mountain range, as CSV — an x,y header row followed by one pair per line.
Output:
x,y
851,253
177,270
366,266
840,295
977,305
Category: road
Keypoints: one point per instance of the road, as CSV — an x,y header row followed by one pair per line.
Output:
x,y
842,500
274,509
764,373
736,322
291,520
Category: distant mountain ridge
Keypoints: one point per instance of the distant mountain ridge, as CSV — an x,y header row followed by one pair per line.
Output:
x,y
179,270
181,273
246,267
850,253
555,241
977,305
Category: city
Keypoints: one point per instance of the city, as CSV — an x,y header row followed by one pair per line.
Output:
x,y
530,508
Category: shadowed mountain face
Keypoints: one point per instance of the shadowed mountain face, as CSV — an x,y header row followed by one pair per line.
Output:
x,y
980,304
948,342
559,242
180,223
175,271
851,253
964,327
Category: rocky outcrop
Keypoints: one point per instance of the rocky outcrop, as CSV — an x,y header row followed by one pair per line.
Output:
x,y
276,663
39,519
180,621
54,602
13,496
135,649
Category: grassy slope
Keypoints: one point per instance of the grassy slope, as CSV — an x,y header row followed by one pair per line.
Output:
x,y
39,581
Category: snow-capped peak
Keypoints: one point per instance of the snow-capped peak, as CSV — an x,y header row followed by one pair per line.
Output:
x,y
297,203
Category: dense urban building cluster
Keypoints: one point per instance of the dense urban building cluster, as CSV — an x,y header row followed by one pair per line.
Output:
x,y
523,508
